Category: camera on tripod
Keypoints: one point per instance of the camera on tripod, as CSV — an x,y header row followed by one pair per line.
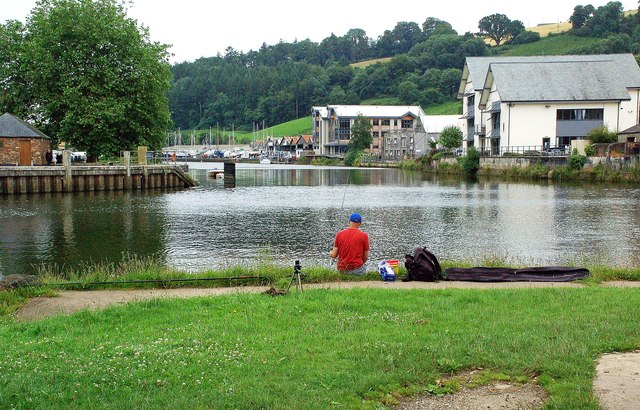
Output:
x,y
296,276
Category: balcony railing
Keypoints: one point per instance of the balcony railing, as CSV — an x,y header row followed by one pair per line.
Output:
x,y
481,130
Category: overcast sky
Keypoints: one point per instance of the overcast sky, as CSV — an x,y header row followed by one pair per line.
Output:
x,y
199,28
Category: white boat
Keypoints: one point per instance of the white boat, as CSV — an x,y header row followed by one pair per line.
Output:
x,y
265,160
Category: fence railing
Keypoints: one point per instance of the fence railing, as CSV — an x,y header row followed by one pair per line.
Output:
x,y
524,150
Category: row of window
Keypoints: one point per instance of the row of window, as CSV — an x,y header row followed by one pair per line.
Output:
x,y
581,114
404,123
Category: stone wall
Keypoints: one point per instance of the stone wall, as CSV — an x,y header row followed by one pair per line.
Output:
x,y
10,150
510,162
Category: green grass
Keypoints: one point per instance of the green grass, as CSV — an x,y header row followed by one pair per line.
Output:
x,y
385,100
319,349
133,272
363,64
446,108
552,45
301,126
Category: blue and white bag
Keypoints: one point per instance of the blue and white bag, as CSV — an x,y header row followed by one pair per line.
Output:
x,y
386,271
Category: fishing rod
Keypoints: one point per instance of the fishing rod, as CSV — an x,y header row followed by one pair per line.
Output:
x,y
345,189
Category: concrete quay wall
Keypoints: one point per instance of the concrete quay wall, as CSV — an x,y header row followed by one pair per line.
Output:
x,y
81,178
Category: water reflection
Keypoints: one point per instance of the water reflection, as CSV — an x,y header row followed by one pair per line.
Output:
x,y
284,213
68,230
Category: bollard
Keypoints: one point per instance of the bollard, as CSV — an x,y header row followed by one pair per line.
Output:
x,y
229,174
68,179
142,155
128,181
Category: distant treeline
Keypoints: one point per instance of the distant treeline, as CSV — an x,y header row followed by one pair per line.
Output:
x,y
281,82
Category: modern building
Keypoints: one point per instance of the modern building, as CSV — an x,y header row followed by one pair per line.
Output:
x,y
20,143
520,104
332,124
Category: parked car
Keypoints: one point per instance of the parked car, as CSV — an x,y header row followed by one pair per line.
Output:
x,y
78,156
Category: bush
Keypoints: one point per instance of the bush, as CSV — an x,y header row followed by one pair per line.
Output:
x,y
526,37
437,156
353,158
589,150
576,161
602,135
470,163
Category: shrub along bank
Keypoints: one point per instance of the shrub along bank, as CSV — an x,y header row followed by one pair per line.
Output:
x,y
577,168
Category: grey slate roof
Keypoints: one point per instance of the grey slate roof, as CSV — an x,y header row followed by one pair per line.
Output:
x,y
625,63
633,130
560,81
13,127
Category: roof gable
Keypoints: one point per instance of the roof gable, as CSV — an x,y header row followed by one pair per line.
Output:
x,y
13,127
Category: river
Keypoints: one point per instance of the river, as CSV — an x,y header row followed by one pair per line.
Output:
x,y
281,213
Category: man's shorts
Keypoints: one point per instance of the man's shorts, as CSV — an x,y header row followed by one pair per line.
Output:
x,y
357,272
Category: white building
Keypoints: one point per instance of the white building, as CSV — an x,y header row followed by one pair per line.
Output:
x,y
395,129
519,104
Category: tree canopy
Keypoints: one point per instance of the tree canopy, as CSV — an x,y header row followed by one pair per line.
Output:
x,y
360,134
451,137
86,74
499,28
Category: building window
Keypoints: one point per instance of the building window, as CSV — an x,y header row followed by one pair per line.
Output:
x,y
580,114
344,130
395,141
407,123
376,134
376,122
403,142
386,122
388,140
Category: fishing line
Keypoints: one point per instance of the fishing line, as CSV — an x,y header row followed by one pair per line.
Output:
x,y
345,190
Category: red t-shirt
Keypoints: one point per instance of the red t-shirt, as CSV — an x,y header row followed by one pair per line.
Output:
x,y
351,244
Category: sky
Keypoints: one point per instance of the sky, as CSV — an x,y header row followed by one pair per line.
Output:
x,y
199,28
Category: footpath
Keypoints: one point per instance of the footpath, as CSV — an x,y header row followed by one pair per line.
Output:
x,y
617,382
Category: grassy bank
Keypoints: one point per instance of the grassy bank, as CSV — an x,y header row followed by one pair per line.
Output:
x,y
599,173
360,348
148,273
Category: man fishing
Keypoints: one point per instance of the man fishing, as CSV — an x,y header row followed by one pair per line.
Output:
x,y
351,247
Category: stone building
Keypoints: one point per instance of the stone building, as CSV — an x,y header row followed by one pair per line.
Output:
x,y
20,143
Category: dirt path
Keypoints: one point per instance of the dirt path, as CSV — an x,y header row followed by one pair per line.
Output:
x,y
71,301
617,383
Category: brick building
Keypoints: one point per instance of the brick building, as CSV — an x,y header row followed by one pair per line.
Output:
x,y
20,143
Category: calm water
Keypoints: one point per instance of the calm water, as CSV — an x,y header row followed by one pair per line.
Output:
x,y
284,213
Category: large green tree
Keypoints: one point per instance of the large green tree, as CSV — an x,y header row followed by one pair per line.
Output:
x,y
89,75
499,28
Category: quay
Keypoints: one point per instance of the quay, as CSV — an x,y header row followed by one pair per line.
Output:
x,y
83,178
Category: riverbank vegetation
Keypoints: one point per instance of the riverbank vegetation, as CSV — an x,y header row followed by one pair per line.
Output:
x,y
359,348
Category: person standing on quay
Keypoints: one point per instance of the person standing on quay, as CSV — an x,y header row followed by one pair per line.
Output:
x,y
351,247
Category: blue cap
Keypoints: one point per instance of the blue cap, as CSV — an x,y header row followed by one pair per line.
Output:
x,y
356,218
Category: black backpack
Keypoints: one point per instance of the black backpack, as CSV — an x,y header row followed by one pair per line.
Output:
x,y
422,266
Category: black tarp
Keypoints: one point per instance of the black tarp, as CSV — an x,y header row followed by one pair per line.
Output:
x,y
535,274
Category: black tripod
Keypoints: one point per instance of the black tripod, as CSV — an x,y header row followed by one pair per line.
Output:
x,y
296,276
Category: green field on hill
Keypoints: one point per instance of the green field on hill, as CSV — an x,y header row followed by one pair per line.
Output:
x,y
301,126
552,45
